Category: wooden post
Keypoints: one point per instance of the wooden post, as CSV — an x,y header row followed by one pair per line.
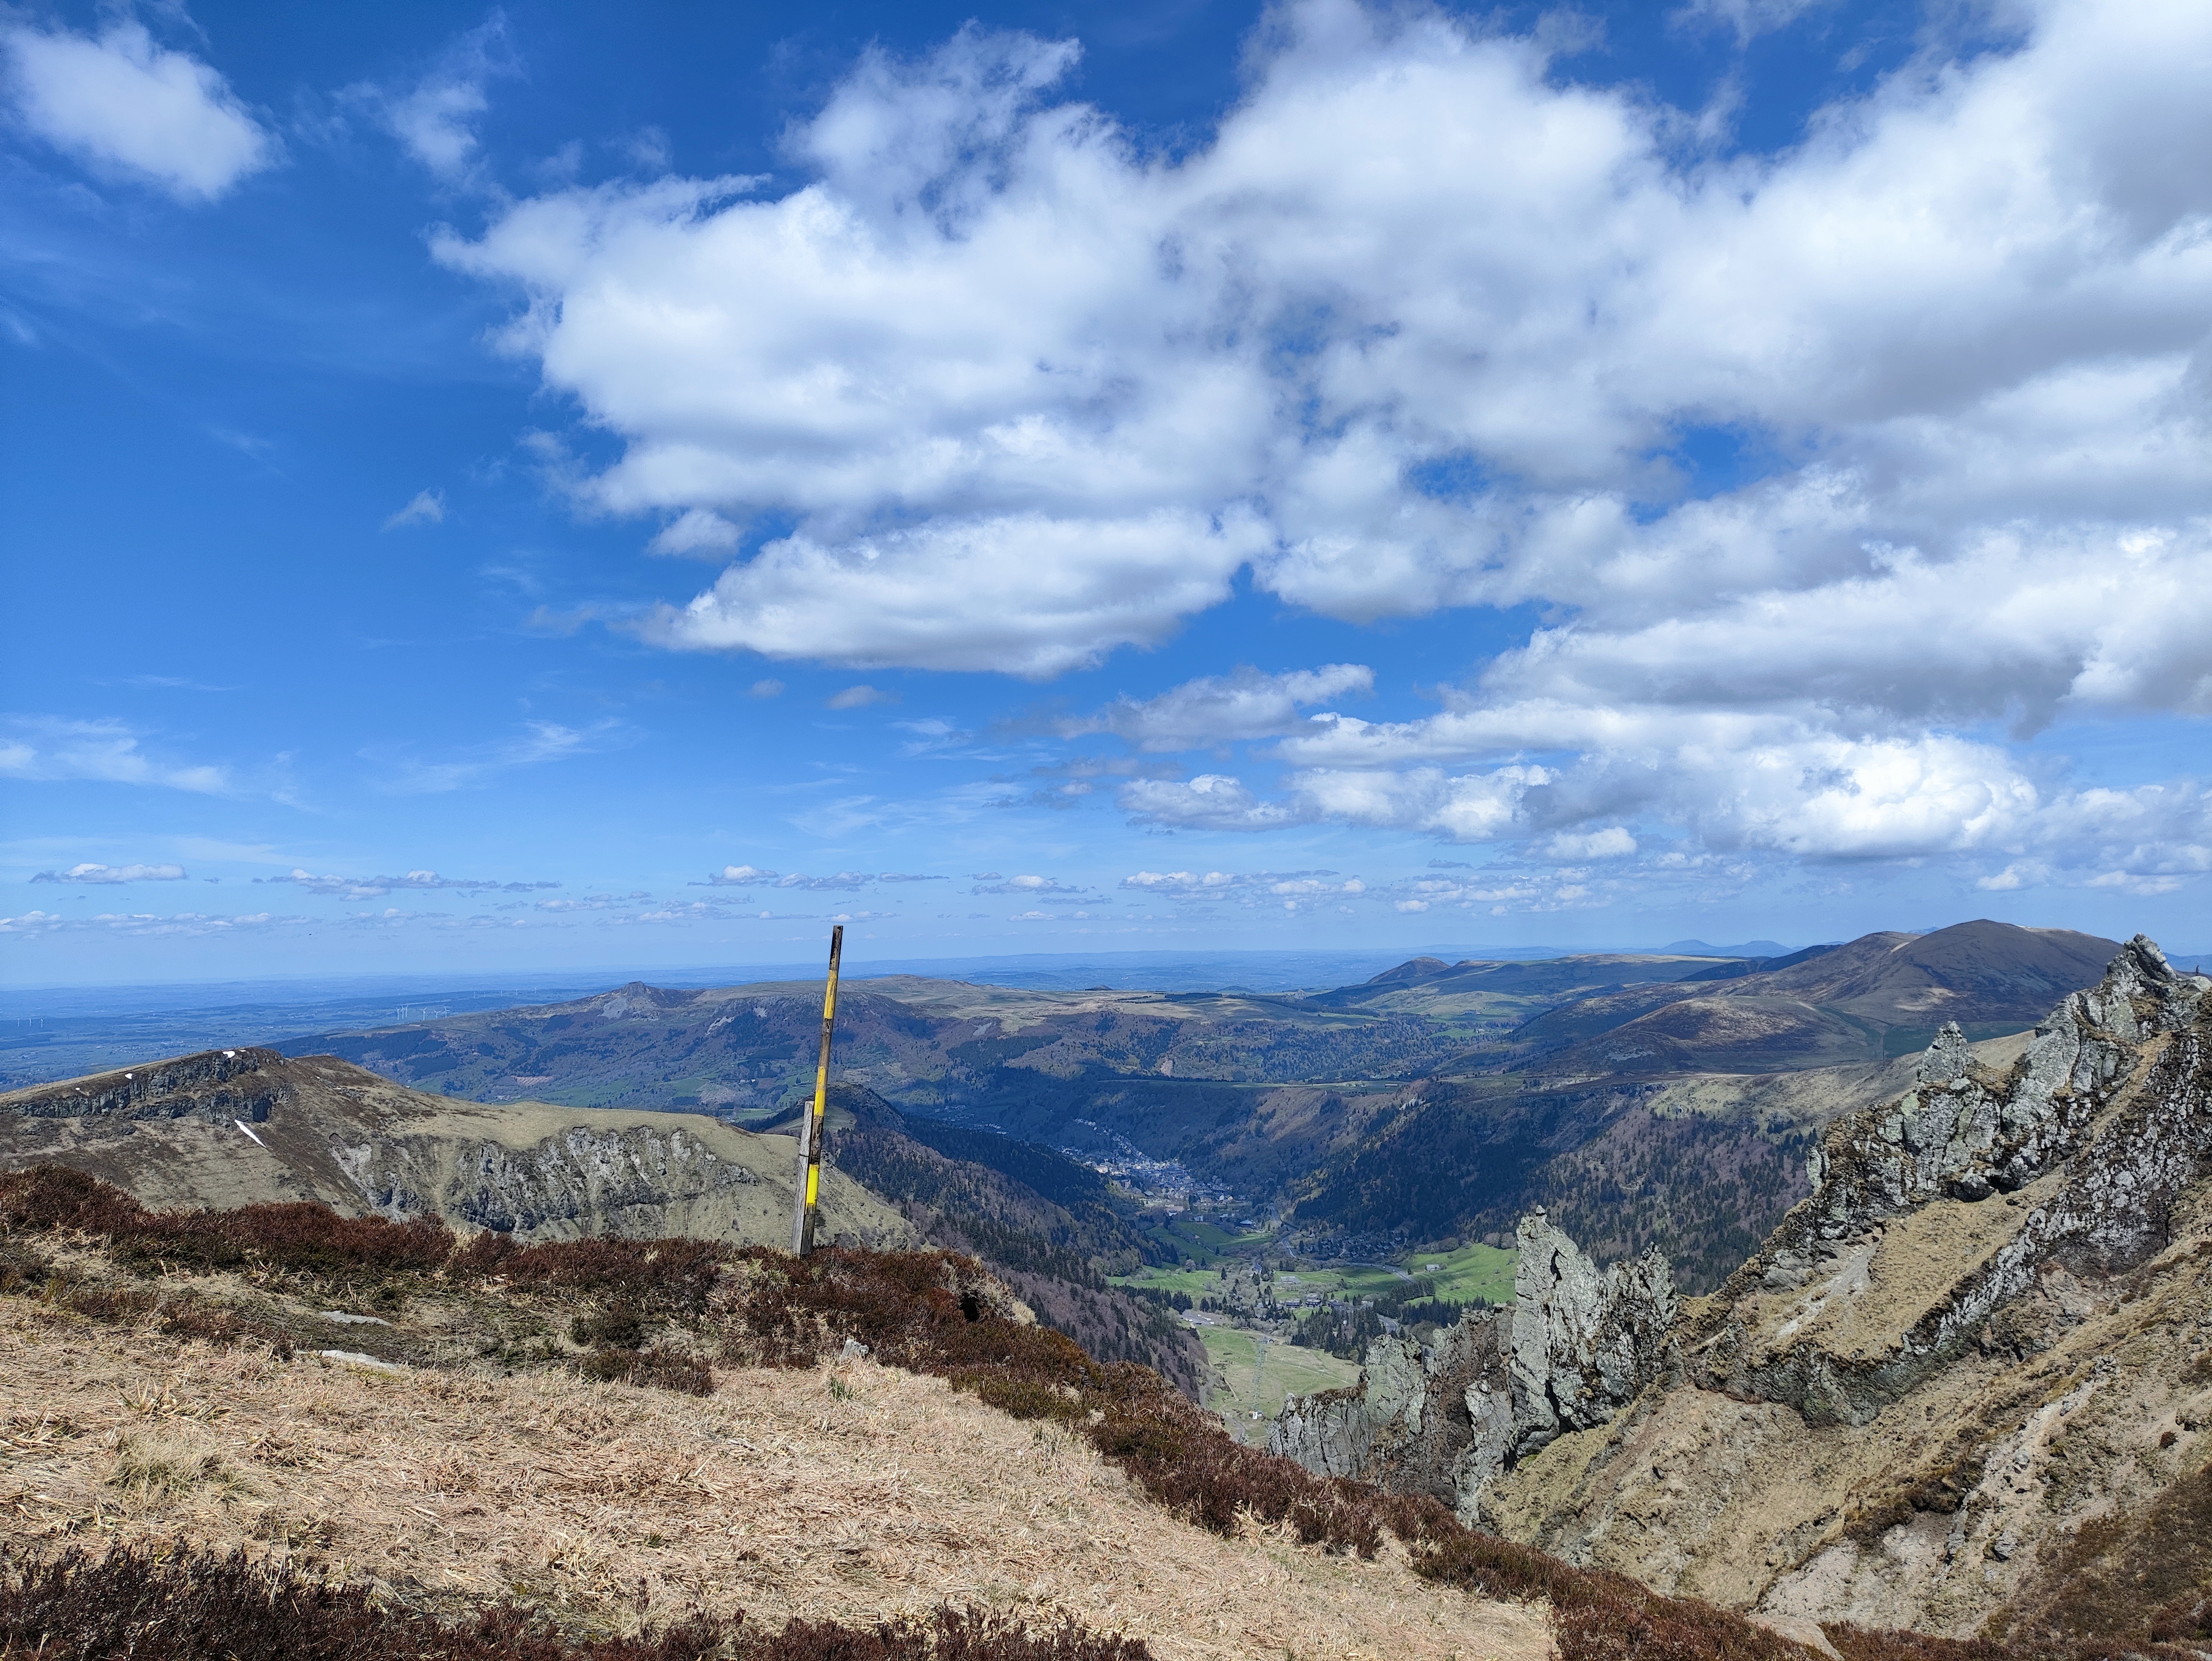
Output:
x,y
809,1182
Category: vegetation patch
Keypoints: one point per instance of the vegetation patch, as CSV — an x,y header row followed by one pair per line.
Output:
x,y
181,1606
1943,1486
300,1237
2146,1572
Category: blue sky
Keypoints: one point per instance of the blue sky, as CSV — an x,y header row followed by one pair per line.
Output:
x,y
573,485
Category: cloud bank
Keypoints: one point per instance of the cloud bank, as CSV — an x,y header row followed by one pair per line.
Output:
x,y
366,888
1827,469
106,875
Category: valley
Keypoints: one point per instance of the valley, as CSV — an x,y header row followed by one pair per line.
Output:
x,y
1275,1169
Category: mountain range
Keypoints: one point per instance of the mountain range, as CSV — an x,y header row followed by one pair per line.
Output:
x,y
1647,1098
249,1126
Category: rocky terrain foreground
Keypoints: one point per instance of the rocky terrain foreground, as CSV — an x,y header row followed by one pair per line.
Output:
x,y
1964,1387
234,1126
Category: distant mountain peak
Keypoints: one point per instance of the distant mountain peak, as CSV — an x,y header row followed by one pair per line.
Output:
x,y
1413,969
1741,949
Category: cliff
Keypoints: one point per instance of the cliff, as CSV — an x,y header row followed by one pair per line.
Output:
x,y
1446,1416
229,1128
1965,1387
1989,1327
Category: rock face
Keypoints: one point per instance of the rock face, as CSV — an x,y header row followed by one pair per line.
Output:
x,y
2107,1182
582,1180
218,1086
1446,1417
1423,1419
1989,1325
230,1128
1583,1342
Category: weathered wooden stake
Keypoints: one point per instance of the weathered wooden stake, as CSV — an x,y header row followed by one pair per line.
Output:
x,y
809,1182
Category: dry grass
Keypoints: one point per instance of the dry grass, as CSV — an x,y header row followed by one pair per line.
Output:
x,y
181,1605
850,1493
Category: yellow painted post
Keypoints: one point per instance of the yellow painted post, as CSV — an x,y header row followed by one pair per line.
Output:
x,y
809,1184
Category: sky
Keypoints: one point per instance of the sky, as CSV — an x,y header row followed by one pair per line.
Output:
x,y
580,485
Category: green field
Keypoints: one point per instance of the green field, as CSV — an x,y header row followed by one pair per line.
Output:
x,y
1353,1281
1201,1242
1460,1277
1472,1272
1198,1282
1251,1385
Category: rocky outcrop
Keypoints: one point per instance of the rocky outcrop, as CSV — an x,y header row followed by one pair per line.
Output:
x,y
1988,1326
2106,1184
218,1086
1969,1136
1424,1418
1445,1416
1584,1343
584,1179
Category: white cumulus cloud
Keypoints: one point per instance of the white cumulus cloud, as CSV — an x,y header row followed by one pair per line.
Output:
x,y
1025,389
1421,327
1024,593
121,101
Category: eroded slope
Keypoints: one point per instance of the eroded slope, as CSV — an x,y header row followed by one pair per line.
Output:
x,y
232,1127
1990,1326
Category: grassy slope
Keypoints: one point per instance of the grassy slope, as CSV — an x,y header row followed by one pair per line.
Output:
x,y
1472,1272
1255,1377
136,1376
852,1494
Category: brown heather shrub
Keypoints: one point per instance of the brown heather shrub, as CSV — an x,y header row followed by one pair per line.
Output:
x,y
658,1369
179,1606
662,1277
1599,1616
618,1326
304,1237
315,1240
115,1305
52,1196
899,1304
947,1635
1858,1644
480,1259
299,1236
2185,1620
22,1268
